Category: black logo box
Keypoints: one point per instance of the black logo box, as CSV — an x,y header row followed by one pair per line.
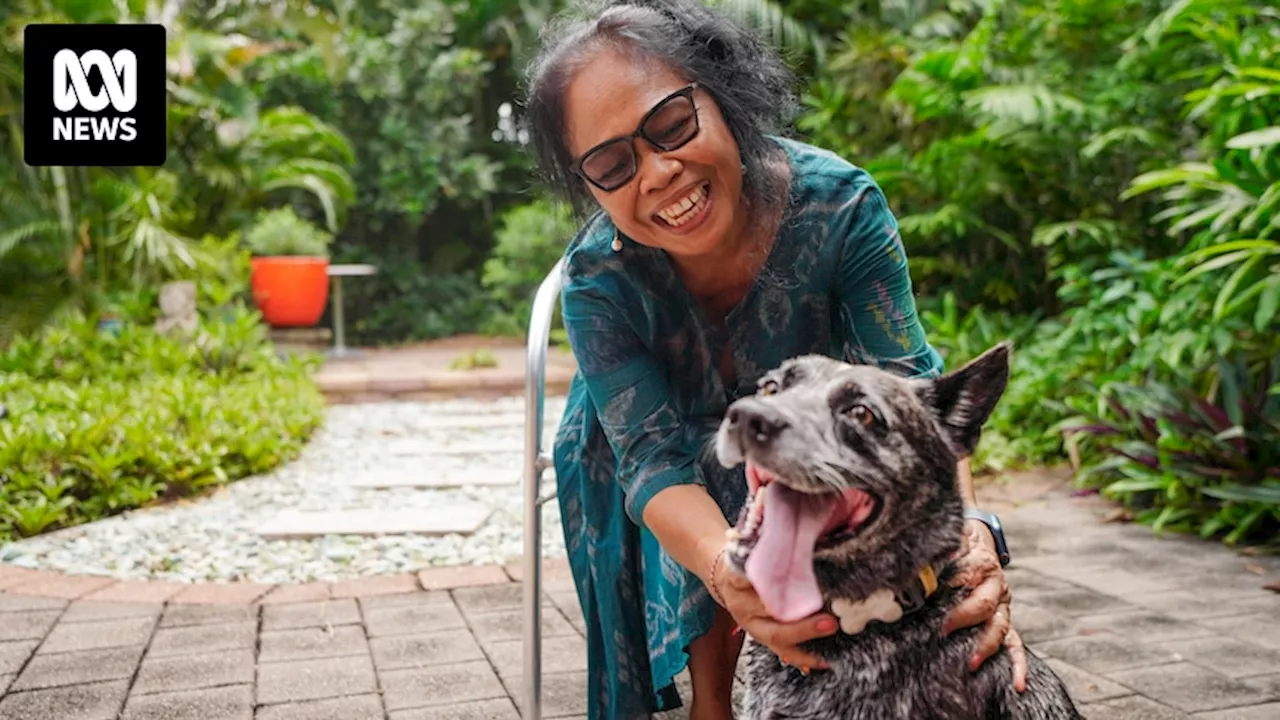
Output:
x,y
148,148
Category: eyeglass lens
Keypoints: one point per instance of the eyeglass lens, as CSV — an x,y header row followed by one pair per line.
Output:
x,y
670,125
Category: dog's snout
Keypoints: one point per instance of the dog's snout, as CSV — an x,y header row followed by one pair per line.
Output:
x,y
756,425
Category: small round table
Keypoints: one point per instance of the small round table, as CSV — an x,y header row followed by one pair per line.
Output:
x,y
337,272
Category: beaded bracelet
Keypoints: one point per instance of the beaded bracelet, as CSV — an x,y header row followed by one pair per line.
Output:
x,y
711,581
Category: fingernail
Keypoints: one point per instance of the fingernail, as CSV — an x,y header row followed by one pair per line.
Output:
x,y
826,625
975,662
737,630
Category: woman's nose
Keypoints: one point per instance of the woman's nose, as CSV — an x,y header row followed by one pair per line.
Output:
x,y
656,169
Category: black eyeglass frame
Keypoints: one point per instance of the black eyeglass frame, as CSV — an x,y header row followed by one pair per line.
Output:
x,y
685,92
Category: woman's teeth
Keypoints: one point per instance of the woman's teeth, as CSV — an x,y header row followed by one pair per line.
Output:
x,y
683,210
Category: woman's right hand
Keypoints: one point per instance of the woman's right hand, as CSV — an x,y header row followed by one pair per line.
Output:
x,y
742,602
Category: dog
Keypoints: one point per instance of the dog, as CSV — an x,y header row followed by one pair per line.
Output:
x,y
853,508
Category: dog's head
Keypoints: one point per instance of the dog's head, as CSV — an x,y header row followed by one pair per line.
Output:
x,y
852,475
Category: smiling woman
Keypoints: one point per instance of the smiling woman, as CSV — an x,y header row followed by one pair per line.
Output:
x,y
713,250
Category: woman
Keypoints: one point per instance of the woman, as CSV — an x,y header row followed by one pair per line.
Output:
x,y
717,250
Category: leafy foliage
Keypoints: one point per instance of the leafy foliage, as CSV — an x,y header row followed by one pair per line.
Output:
x,y
99,423
281,232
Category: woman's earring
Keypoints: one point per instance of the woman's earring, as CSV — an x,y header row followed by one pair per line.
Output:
x,y
617,243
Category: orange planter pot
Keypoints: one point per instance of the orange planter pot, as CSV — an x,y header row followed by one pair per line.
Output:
x,y
290,291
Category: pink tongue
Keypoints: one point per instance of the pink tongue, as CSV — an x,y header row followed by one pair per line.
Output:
x,y
780,566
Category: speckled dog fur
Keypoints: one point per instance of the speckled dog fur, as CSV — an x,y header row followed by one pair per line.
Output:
x,y
906,457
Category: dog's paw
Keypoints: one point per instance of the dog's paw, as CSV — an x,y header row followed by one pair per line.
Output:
x,y
854,616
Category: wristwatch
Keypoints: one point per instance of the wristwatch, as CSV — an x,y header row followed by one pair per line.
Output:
x,y
993,524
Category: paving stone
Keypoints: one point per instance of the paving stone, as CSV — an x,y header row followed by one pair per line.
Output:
x,y
572,610
298,592
315,679
60,585
1190,687
19,603
1269,684
559,654
66,637
194,672
370,603
379,585
1134,707
1230,656
1270,711
13,655
1077,602
99,701
459,518
12,575
1122,583
440,685
89,610
1037,624
420,477
394,652
1105,653
434,450
199,639
1022,580
312,643
4,683
461,576
187,615
475,710
489,599
1084,686
137,591
47,670
342,611
357,707
412,619
1259,628
223,703
26,625
1143,625
1186,605
509,625
221,593
562,693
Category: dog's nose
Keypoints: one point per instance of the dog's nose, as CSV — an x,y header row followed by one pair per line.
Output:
x,y
756,425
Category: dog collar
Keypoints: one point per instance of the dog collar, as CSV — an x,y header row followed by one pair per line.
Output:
x,y
884,605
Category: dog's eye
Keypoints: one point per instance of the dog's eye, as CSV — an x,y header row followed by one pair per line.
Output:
x,y
861,414
769,387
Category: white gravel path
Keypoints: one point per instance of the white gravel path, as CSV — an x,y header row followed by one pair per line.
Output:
x,y
214,539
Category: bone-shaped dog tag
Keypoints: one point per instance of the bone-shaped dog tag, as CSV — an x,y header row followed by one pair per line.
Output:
x,y
854,616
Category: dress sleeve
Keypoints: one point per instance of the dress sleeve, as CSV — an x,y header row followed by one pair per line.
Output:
x,y
877,309
629,388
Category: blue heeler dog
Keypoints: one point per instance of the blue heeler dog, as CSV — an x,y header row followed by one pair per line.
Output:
x,y
854,509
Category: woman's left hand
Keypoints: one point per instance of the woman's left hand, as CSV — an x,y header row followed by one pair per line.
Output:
x,y
978,567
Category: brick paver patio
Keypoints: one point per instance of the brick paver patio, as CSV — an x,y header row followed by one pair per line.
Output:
x,y
1140,628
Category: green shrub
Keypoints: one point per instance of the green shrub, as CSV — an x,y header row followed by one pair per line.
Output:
x,y
281,232
532,238
101,423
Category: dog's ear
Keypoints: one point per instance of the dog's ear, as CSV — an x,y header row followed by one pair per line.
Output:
x,y
963,399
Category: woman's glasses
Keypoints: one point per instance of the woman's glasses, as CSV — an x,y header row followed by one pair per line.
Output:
x,y
669,125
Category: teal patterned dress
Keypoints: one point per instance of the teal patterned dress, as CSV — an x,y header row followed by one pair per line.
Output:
x,y
648,397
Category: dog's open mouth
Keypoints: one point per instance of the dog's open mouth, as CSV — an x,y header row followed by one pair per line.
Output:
x,y
786,527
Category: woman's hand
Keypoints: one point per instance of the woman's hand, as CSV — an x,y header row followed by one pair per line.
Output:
x,y
734,591
988,603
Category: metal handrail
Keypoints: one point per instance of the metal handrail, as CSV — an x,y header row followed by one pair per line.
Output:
x,y
535,462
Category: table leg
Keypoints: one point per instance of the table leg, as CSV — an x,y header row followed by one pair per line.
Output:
x,y
340,343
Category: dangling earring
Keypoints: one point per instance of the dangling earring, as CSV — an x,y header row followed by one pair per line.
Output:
x,y
616,244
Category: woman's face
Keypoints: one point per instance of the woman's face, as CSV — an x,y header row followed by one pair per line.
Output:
x,y
685,200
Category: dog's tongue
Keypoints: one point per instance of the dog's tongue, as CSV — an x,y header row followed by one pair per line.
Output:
x,y
781,563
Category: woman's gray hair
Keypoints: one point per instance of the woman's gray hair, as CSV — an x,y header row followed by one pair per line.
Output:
x,y
748,80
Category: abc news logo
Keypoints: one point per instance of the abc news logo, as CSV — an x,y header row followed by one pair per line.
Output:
x,y
94,95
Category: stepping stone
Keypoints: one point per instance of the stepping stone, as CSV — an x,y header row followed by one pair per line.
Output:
x,y
426,449
457,518
425,478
